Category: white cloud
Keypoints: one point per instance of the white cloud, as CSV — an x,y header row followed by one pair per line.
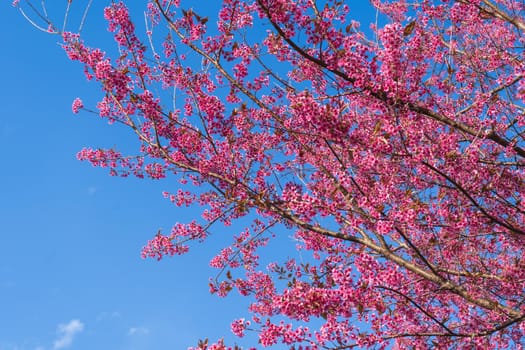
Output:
x,y
66,334
138,331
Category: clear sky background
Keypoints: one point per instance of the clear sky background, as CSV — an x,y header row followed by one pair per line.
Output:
x,y
71,275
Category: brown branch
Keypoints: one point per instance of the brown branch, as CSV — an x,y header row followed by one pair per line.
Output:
x,y
474,202
442,324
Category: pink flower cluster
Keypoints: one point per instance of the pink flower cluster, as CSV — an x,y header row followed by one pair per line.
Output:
x,y
77,105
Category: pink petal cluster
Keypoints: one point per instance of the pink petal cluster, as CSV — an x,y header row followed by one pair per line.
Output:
x,y
77,105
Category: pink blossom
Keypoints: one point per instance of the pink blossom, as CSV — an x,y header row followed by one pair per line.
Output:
x,y
77,105
239,326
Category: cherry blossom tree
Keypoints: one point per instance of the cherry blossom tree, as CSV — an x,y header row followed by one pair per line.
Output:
x,y
393,151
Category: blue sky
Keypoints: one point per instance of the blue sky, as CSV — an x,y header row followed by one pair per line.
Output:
x,y
71,235
71,275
